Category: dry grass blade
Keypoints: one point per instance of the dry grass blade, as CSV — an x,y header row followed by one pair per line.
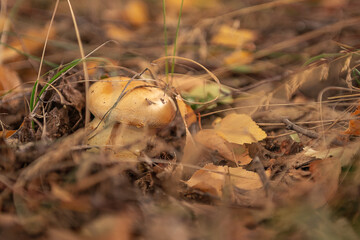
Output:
x,y
86,74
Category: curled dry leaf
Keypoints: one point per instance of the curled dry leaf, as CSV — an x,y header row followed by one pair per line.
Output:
x,y
211,179
186,112
240,129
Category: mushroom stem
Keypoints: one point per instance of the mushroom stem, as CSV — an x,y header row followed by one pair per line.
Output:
x,y
134,119
118,135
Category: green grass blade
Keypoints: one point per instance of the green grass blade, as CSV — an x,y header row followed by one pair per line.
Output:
x,y
34,101
65,68
323,55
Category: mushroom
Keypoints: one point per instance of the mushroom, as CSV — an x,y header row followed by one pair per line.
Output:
x,y
134,119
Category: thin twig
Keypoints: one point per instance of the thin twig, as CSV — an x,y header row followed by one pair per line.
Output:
x,y
259,168
292,126
311,134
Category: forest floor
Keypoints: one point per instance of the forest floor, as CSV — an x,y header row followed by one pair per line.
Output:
x,y
262,108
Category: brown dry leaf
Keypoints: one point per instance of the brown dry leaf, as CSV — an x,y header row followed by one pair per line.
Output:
x,y
210,139
186,112
239,57
211,179
354,125
240,129
232,37
9,79
136,13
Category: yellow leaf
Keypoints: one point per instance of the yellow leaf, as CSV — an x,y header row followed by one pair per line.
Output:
x,y
118,33
174,5
232,37
186,112
211,179
136,12
240,129
240,57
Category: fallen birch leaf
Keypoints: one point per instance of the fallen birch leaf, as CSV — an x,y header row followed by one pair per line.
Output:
x,y
240,129
211,179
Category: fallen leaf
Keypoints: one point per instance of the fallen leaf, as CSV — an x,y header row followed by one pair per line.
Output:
x,y
232,152
186,112
174,5
239,58
232,37
354,125
209,91
211,179
136,13
240,129
9,79
31,41
118,33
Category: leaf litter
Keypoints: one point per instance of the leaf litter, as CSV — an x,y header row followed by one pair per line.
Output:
x,y
228,166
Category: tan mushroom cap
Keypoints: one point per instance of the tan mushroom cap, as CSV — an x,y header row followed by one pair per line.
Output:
x,y
141,106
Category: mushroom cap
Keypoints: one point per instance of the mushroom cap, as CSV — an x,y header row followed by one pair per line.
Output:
x,y
140,106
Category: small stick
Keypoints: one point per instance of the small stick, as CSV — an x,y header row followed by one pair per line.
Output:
x,y
292,126
259,169
311,134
